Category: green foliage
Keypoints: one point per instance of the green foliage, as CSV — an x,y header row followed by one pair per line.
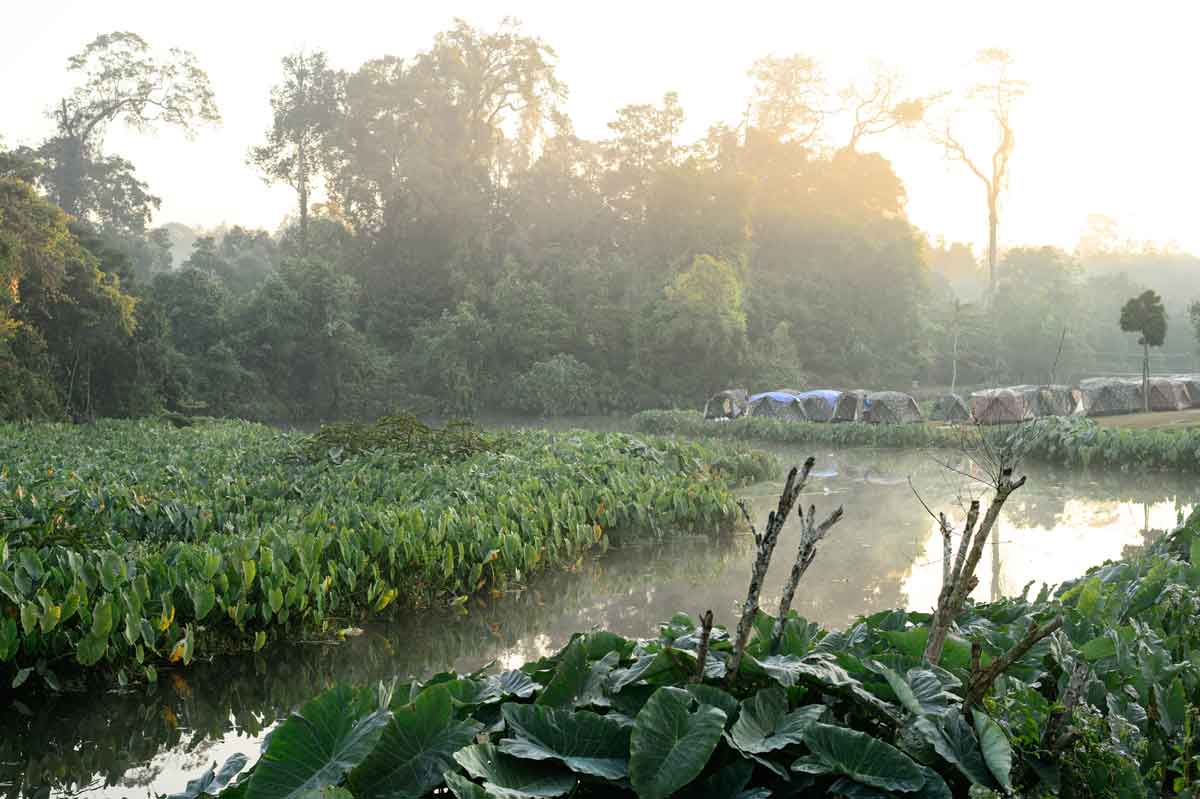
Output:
x,y
1082,442
560,386
831,717
405,436
129,544
1145,315
760,428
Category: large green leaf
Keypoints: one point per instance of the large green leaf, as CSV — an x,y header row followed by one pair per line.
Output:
x,y
658,669
952,737
514,683
863,758
671,743
570,677
463,788
997,751
934,788
765,725
711,695
417,745
507,777
584,741
956,653
788,671
920,691
727,782
318,745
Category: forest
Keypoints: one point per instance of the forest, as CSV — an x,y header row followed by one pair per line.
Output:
x,y
456,247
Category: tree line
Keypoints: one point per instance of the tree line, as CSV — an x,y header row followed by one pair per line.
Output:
x,y
457,246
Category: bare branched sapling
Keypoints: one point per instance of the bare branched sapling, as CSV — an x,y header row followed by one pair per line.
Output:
x,y
764,544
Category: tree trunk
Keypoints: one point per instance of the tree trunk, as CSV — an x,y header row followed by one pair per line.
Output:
x,y
302,190
1145,375
954,363
993,223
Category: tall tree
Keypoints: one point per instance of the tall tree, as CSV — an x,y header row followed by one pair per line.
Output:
x,y
305,108
122,80
790,98
880,105
996,93
1146,316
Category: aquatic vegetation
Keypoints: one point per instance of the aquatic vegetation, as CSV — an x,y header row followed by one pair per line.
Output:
x,y
1105,706
1082,442
762,428
130,544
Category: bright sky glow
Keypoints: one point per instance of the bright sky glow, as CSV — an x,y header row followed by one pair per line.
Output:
x,y
1109,125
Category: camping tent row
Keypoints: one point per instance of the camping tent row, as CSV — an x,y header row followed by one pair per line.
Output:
x,y
823,405
1094,397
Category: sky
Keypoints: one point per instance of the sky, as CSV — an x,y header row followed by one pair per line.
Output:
x,y
1109,125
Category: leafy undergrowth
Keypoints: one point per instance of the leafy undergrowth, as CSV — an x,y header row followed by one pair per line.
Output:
x,y
402,434
1083,442
126,544
762,428
854,713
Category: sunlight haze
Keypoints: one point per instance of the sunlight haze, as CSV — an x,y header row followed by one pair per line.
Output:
x,y
1107,126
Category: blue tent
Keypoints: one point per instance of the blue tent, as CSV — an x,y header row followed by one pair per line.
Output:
x,y
778,396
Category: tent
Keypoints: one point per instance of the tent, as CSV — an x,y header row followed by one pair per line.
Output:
x,y
850,406
1051,400
1105,396
1168,395
891,407
778,405
951,408
1000,406
819,405
1192,383
727,404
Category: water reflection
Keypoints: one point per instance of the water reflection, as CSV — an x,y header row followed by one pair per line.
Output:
x,y
885,553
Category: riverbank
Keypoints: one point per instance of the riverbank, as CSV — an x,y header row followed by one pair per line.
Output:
x,y
131,544
1072,442
1104,706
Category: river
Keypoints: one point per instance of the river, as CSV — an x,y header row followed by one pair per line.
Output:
x,y
885,553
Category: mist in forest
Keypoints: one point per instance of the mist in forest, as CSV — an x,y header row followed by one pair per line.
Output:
x,y
459,237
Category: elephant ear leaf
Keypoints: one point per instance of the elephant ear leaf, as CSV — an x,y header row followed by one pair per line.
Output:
x,y
997,751
416,747
586,742
507,777
861,757
953,739
315,747
765,725
671,743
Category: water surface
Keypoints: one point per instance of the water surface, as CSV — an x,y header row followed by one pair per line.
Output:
x,y
885,553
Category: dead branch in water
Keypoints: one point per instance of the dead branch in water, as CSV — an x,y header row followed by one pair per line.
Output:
x,y
706,624
810,535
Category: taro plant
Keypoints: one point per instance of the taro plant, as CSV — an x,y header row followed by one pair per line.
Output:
x,y
129,545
